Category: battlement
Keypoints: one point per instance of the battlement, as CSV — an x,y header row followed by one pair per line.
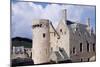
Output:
x,y
40,23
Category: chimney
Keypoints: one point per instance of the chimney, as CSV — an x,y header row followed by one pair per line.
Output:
x,y
88,22
88,25
64,14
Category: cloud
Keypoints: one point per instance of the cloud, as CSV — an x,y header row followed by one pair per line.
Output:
x,y
23,14
52,12
22,17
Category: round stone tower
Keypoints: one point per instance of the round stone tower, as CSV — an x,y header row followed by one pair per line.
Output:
x,y
41,44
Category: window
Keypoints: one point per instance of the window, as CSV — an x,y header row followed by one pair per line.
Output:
x,y
73,50
88,59
94,47
87,47
43,35
60,30
80,47
81,60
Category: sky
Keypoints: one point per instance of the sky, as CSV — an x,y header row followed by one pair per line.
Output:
x,y
23,13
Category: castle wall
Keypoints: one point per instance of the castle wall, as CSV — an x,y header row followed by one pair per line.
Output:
x,y
41,44
63,41
81,35
53,39
75,39
18,52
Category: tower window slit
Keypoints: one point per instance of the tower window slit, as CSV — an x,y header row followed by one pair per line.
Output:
x,y
43,35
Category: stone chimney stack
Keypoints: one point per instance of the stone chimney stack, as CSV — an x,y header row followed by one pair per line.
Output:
x,y
88,25
64,14
88,22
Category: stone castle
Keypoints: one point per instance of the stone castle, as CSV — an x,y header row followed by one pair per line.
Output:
x,y
69,41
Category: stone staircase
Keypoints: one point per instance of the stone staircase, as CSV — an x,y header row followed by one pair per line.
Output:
x,y
61,55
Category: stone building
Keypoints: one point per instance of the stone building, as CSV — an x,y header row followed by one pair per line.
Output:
x,y
69,41
21,48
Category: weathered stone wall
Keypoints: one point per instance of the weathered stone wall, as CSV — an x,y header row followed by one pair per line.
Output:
x,y
65,37
81,35
63,41
41,41
19,52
